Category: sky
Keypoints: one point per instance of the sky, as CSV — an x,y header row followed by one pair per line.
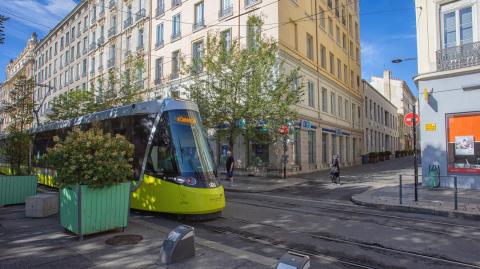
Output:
x,y
387,32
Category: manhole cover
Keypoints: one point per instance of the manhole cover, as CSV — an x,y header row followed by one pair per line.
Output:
x,y
126,239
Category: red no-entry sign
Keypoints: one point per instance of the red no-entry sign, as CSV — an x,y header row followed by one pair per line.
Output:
x,y
408,120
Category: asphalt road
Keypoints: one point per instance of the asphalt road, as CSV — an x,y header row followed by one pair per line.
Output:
x,y
317,218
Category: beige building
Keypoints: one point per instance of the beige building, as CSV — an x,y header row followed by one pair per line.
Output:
x,y
400,95
23,65
321,37
61,58
380,121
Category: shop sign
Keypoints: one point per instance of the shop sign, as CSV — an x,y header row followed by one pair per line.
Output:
x,y
431,127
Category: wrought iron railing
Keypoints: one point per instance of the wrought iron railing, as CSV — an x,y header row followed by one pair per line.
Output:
x,y
142,13
226,11
458,57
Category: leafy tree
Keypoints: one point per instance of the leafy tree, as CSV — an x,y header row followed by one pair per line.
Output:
x,y
122,88
244,89
18,108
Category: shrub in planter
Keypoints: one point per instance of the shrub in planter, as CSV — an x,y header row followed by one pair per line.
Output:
x,y
373,157
381,156
93,170
387,155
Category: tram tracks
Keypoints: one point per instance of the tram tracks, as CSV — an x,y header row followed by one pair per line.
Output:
x,y
415,222
308,250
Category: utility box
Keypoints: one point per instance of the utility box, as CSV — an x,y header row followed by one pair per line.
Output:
x,y
41,205
178,246
292,260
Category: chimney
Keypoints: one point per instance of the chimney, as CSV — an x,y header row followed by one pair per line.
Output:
x,y
387,86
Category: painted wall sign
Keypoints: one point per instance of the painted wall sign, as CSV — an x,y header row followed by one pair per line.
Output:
x,y
431,127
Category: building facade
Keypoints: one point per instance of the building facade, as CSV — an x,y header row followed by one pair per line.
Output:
x,y
400,95
380,121
23,65
89,49
61,58
449,82
320,37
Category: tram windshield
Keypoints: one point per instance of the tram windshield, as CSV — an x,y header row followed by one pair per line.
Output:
x,y
180,148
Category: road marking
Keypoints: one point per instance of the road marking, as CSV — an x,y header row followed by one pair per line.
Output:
x,y
243,254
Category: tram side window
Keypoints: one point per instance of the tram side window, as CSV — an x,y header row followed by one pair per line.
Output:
x,y
160,160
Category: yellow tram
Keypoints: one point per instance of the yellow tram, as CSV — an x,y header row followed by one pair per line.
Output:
x,y
173,170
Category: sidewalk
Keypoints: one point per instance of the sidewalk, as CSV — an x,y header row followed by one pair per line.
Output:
x,y
438,202
42,243
260,184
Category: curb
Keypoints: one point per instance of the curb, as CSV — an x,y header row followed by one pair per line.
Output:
x,y
417,210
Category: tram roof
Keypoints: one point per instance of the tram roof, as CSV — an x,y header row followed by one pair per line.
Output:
x,y
146,107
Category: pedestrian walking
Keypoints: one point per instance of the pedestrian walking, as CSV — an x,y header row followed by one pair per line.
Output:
x,y
230,166
335,170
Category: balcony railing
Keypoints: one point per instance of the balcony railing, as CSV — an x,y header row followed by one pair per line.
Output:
x,y
251,2
100,41
111,4
226,11
101,13
140,14
112,31
159,44
198,25
160,10
93,19
79,33
176,35
93,45
111,63
176,3
92,72
128,22
458,57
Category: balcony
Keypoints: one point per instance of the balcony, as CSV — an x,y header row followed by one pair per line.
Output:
x,y
79,33
111,4
198,25
128,22
176,35
466,55
160,10
93,19
176,3
226,11
159,44
111,63
112,31
92,72
249,3
140,14
101,14
93,46
100,41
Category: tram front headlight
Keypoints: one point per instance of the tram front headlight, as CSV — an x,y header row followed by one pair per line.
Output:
x,y
179,180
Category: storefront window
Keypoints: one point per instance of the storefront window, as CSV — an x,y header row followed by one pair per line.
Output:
x,y
463,143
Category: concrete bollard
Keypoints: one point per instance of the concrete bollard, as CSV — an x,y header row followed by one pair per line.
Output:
x,y
178,246
292,260
41,205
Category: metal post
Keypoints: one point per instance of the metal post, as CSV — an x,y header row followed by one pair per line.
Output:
x,y
456,192
400,188
415,164
285,148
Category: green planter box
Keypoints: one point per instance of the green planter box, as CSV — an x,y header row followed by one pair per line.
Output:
x,y
14,189
86,211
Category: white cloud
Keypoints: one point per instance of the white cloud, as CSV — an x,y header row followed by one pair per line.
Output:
x,y
39,15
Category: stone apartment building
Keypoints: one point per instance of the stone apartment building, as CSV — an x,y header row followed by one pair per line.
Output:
x,y
400,95
449,83
321,37
380,121
23,65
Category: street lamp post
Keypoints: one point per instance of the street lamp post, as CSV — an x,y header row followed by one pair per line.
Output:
x,y
414,133
36,110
